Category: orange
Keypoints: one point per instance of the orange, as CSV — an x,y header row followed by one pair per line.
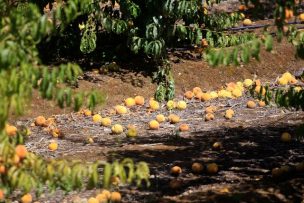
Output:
x,y
288,14
262,104
251,104
139,100
301,17
53,146
2,169
106,121
173,118
10,130
189,95
21,151
286,137
276,172
196,90
181,105
205,96
247,22
117,129
212,168
93,200
27,198
107,193
121,109
210,109
96,118
153,125
154,105
102,198
229,113
183,127
129,102
115,197
40,121
197,167
175,184
160,118
242,8
209,117
176,170
217,145
87,112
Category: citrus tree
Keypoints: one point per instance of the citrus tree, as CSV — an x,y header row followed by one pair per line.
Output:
x,y
22,28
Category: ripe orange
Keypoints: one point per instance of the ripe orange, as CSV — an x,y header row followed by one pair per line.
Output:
x,y
217,146
56,133
87,112
229,113
196,90
189,95
286,137
205,96
107,193
212,168
183,127
242,8
53,146
181,105
139,100
96,118
301,17
10,130
1,195
121,110
129,102
209,117
93,200
288,14
210,109
173,118
153,125
27,198
102,198
262,104
117,129
154,105
2,169
21,151
40,121
251,104
160,118
176,170
247,22
197,167
115,197
106,121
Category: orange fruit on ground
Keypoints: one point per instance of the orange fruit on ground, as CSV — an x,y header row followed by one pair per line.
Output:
x,y
217,146
107,193
197,167
213,94
117,129
21,151
50,121
1,195
96,118
242,8
286,137
102,198
301,17
87,112
196,90
251,104
237,92
176,170
139,100
259,88
171,104
212,168
132,132
173,118
209,117
27,198
198,95
210,109
181,105
53,146
247,22
183,127
115,197
154,105
205,96
229,113
129,102
40,121
247,82
56,133
288,14
153,125
2,169
121,110
106,121
262,104
282,81
160,118
93,200
10,130
189,95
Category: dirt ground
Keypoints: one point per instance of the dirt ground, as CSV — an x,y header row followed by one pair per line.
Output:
x,y
251,140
